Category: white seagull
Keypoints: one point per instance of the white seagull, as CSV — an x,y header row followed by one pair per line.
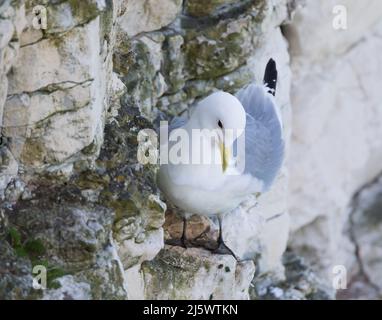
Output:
x,y
216,188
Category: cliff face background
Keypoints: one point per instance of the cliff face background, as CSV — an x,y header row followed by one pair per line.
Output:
x,y
74,199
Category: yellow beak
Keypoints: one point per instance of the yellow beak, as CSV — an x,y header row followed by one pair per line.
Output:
x,y
225,155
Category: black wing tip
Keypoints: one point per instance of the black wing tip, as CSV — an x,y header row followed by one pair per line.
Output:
x,y
270,76
272,63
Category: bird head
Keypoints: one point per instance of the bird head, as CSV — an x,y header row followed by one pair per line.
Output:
x,y
223,115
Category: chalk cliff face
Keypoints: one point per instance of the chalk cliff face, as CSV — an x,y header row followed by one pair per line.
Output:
x,y
75,200
336,145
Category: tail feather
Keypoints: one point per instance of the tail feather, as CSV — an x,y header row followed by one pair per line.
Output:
x,y
270,76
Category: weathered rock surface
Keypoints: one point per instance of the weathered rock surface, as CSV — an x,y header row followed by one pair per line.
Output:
x,y
178,273
12,22
336,142
364,230
146,15
300,283
60,85
75,200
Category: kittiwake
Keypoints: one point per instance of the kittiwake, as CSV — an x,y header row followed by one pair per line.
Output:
x,y
216,188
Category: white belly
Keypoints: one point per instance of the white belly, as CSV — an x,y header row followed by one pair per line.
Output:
x,y
197,200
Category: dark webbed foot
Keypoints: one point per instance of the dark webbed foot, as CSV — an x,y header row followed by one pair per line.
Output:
x,y
222,248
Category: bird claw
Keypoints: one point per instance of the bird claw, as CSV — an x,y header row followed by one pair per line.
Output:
x,y
220,249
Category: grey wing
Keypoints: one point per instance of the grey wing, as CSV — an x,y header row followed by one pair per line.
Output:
x,y
177,122
264,143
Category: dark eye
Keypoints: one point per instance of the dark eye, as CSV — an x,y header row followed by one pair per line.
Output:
x,y
220,124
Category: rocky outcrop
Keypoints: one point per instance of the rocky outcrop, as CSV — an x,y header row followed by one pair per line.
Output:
x,y
300,283
336,145
12,23
178,273
172,68
75,200
67,136
364,231
59,89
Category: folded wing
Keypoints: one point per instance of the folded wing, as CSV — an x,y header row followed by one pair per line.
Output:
x,y
264,143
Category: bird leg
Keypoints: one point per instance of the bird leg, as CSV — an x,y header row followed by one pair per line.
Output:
x,y
222,247
183,239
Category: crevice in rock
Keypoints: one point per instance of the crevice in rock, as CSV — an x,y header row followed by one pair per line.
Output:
x,y
232,11
61,112
53,87
362,275
275,216
54,35
34,42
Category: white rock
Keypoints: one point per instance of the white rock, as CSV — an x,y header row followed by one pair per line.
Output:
x,y
8,56
70,117
336,142
341,137
12,22
73,57
248,223
8,168
135,283
70,289
318,39
6,27
27,110
147,15
131,252
3,93
196,274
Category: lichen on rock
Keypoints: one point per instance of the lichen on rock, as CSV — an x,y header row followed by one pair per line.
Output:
x,y
75,200
203,275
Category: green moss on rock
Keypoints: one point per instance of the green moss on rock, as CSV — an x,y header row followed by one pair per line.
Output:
x,y
201,8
